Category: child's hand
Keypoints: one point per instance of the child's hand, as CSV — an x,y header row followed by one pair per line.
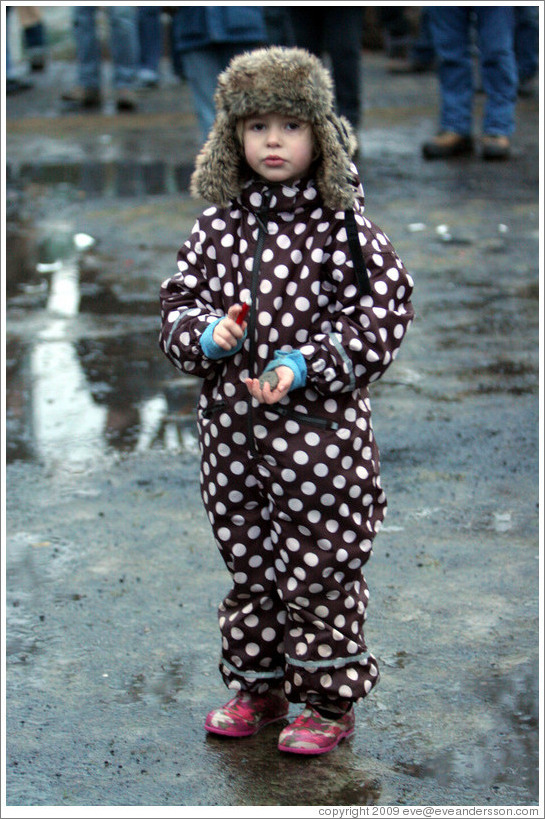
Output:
x,y
227,333
266,395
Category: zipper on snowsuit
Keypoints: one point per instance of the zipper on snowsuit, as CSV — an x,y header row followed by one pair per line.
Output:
x,y
211,410
262,219
301,417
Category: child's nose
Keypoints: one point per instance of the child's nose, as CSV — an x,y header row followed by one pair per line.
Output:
x,y
273,136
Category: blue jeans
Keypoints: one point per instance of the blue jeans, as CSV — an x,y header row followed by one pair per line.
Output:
x,y
451,30
201,68
123,44
150,35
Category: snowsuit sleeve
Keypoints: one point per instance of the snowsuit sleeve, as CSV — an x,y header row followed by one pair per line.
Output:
x,y
359,335
190,301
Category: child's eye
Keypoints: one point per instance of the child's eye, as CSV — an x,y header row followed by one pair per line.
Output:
x,y
292,126
256,126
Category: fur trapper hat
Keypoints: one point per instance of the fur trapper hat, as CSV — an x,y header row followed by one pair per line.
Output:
x,y
288,81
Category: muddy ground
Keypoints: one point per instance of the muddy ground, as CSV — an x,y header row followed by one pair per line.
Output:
x,y
112,577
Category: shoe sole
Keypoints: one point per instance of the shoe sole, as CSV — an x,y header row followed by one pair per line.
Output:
x,y
226,732
316,751
491,156
438,154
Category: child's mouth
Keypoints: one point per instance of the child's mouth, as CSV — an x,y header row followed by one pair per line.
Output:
x,y
273,161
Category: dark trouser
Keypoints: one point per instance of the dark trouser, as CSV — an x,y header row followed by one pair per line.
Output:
x,y
295,542
336,30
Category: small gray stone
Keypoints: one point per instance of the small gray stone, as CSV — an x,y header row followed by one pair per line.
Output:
x,y
271,377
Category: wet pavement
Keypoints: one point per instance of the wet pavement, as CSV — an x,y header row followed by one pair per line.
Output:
x,y
112,577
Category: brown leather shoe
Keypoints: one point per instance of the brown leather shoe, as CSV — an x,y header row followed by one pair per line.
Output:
x,y
447,144
82,97
495,147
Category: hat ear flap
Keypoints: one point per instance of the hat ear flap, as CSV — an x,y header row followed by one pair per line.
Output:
x,y
334,175
346,134
217,169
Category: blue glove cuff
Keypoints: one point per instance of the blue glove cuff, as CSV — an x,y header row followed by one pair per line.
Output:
x,y
213,350
296,362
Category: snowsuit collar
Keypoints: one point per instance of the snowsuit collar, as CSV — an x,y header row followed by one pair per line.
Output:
x,y
289,198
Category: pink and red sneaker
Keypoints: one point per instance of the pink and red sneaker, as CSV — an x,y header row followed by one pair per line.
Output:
x,y
246,714
311,733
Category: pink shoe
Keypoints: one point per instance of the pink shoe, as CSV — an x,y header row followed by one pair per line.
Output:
x,y
313,734
245,714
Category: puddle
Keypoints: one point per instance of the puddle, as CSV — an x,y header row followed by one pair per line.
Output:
x,y
81,379
507,756
122,178
32,563
161,686
70,401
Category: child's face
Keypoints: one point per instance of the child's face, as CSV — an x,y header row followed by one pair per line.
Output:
x,y
278,148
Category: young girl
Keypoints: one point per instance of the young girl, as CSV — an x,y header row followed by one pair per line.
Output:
x,y
290,467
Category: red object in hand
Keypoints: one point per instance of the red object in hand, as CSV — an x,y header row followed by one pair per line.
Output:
x,y
242,315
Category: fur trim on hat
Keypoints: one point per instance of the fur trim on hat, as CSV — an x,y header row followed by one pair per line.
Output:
x,y
288,81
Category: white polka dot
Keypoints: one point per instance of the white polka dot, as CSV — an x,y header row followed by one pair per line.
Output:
x,y
295,504
317,255
321,611
280,444
308,488
240,577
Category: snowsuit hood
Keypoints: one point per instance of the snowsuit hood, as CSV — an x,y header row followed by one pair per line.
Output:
x,y
288,81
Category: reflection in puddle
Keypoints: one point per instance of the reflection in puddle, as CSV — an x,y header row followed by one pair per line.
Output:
x,y
123,178
72,396
509,755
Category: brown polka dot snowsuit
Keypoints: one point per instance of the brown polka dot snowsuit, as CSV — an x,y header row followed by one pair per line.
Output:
x,y
293,489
